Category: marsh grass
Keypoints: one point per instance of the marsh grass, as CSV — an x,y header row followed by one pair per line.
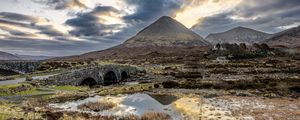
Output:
x,y
9,111
97,106
124,89
61,97
16,89
155,116
87,116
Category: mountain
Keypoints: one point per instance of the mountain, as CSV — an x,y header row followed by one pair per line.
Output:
x,y
166,32
164,36
238,35
289,38
8,56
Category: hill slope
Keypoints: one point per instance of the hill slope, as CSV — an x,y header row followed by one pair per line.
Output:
x,y
8,56
289,38
238,35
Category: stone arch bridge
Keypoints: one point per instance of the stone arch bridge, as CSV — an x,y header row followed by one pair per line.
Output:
x,y
96,75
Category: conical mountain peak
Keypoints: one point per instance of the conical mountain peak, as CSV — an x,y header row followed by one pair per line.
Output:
x,y
166,32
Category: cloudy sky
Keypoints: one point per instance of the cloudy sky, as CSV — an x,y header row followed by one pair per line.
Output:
x,y
69,27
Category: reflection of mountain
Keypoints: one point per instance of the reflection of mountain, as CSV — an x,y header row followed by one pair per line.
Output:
x,y
8,56
288,38
163,98
238,35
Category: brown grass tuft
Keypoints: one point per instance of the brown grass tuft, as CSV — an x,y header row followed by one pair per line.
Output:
x,y
155,116
97,106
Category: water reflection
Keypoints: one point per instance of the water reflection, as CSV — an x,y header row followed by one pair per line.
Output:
x,y
136,104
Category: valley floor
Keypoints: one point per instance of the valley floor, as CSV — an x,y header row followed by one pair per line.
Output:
x,y
259,89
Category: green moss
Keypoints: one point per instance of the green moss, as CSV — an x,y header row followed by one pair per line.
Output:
x,y
28,92
12,86
4,94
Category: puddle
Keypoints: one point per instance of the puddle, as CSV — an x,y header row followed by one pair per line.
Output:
x,y
135,104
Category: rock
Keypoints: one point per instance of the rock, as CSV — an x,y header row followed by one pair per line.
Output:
x,y
244,94
210,96
270,95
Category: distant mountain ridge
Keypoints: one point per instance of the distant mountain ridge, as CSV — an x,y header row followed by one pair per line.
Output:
x,y
289,38
238,35
167,36
166,32
9,56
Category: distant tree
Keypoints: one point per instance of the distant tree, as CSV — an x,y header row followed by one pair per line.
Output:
x,y
256,45
264,47
243,46
218,46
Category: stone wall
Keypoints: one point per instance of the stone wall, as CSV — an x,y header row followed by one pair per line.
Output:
x,y
20,66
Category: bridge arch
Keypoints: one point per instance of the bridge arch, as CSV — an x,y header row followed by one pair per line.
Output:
x,y
89,81
110,77
124,75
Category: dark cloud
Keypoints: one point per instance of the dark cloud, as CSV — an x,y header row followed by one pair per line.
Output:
x,y
149,10
62,4
261,15
15,32
14,23
48,30
88,24
18,17
25,21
